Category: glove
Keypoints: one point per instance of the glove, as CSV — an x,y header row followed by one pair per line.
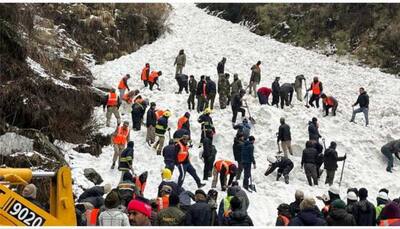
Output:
x,y
345,156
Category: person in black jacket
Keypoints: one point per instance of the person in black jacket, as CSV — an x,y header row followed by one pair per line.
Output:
x,y
208,155
237,105
237,153
211,89
247,159
151,121
95,191
126,159
201,94
275,92
313,132
284,165
237,217
309,215
221,66
286,94
182,80
364,211
206,123
295,205
308,161
285,138
169,154
138,110
284,215
338,216
166,180
192,92
363,101
330,162
199,214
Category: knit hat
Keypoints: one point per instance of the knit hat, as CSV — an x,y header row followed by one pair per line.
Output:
x,y
140,206
30,191
166,174
130,144
299,195
338,204
363,193
201,192
235,203
112,199
352,196
307,203
383,195
334,189
314,119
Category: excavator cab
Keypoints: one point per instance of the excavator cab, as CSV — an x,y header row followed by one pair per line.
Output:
x,y
15,210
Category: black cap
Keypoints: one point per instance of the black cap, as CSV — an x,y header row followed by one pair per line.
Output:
x,y
200,191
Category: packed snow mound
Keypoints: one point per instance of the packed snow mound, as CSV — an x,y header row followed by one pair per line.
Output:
x,y
206,39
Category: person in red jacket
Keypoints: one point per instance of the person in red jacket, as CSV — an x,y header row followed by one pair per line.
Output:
x,y
153,77
263,94
123,85
144,76
329,102
316,88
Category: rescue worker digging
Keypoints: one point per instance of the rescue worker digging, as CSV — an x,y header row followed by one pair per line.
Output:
x,y
284,165
223,168
161,128
123,85
112,102
329,102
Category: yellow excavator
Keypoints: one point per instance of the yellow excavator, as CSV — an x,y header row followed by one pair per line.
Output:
x,y
15,210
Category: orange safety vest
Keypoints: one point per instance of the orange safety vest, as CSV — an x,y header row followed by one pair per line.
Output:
x,y
182,120
218,165
389,222
112,99
159,114
183,152
127,98
91,216
121,137
162,202
143,76
316,90
122,84
153,76
329,101
284,219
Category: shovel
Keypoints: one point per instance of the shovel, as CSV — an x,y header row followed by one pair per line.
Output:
x,y
252,120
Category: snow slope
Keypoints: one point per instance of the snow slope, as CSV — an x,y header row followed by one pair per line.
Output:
x,y
206,39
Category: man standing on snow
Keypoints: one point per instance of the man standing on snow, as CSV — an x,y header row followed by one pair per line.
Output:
x,y
237,153
126,160
180,62
192,92
183,162
211,89
286,94
236,86
112,102
208,155
298,83
255,78
144,76
221,67
316,88
285,138
388,150
151,121
161,128
223,90
237,105
119,138
330,163
248,159
313,132
363,101
275,91
123,85
201,94
206,123
138,110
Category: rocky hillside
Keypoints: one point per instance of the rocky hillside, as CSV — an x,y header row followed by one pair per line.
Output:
x,y
45,52
369,32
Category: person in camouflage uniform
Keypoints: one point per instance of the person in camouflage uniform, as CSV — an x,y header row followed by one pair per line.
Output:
x,y
235,86
192,94
223,90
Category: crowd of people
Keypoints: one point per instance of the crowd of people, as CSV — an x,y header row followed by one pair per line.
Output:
x,y
126,204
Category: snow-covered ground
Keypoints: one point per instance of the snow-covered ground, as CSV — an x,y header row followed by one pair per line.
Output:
x,y
206,39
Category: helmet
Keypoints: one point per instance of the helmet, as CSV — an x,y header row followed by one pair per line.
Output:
x,y
271,159
167,113
207,110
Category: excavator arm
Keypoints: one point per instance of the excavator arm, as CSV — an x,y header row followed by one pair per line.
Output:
x,y
15,210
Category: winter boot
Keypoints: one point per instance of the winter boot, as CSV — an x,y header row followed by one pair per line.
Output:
x,y
113,165
278,176
286,179
200,185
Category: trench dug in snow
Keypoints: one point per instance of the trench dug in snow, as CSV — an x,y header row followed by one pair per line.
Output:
x,y
206,39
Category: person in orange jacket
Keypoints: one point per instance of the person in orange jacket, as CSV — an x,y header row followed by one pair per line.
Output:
x,y
329,102
223,168
153,78
144,76
316,88
112,102
123,85
119,139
